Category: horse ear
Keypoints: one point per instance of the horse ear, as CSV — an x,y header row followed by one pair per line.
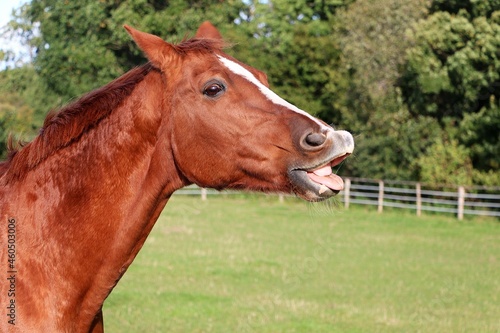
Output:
x,y
207,30
156,49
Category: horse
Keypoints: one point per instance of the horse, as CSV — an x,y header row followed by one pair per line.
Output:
x,y
78,202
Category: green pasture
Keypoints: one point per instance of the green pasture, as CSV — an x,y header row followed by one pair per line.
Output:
x,y
252,264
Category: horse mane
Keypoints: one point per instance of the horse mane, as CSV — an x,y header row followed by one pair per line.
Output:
x,y
67,125
62,127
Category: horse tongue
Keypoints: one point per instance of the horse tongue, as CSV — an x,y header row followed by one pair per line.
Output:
x,y
324,176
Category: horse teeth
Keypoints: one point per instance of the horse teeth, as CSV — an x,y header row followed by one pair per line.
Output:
x,y
322,189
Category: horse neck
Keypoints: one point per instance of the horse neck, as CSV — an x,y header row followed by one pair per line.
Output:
x,y
106,192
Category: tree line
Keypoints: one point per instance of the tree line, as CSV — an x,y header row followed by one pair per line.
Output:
x,y
416,81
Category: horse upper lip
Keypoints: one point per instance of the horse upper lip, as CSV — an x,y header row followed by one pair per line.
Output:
x,y
331,162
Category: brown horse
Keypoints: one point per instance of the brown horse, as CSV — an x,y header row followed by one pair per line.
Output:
x,y
77,203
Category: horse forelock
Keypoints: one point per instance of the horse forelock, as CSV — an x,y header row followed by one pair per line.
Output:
x,y
67,125
203,45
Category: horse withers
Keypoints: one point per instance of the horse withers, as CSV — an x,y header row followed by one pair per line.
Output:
x,y
78,202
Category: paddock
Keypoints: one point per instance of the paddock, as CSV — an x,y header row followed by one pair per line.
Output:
x,y
248,263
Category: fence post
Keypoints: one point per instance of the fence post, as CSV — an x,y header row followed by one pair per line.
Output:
x,y
203,194
461,201
380,196
419,199
347,190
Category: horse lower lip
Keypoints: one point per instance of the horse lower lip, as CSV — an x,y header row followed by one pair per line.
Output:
x,y
308,189
304,184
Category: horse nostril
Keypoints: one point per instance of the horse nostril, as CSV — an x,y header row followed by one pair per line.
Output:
x,y
315,139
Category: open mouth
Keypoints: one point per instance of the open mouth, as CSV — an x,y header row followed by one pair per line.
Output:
x,y
318,183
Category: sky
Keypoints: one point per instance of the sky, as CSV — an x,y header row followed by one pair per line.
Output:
x,y
6,7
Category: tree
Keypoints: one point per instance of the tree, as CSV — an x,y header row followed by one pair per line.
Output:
x,y
410,78
454,67
294,43
26,34
480,133
83,45
474,8
374,43
17,117
445,162
371,35
452,74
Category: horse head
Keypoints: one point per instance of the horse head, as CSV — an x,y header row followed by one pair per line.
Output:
x,y
229,130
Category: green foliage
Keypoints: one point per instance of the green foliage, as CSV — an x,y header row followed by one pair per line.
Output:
x,y
83,44
294,43
453,75
473,8
445,162
371,37
454,67
303,71
392,142
23,104
410,78
24,31
480,133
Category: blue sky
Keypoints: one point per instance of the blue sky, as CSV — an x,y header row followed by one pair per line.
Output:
x,y
6,7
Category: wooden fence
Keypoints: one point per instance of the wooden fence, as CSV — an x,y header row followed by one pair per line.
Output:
x,y
458,200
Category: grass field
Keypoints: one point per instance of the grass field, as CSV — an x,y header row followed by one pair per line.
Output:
x,y
252,264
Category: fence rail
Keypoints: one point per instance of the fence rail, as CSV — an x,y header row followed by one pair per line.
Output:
x,y
458,200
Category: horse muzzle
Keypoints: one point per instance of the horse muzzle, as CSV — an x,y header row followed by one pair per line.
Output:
x,y
313,179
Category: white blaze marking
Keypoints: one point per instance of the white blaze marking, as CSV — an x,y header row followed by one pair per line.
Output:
x,y
271,95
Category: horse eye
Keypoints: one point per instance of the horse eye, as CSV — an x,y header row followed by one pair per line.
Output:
x,y
213,90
